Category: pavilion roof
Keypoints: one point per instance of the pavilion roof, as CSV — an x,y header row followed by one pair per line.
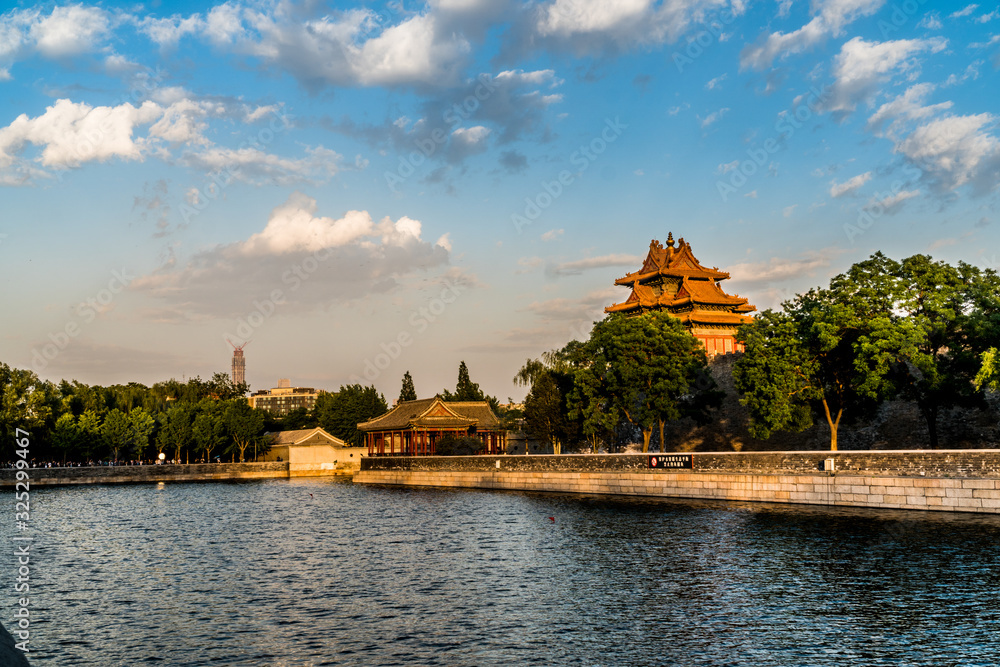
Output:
x,y
431,413
301,435
669,261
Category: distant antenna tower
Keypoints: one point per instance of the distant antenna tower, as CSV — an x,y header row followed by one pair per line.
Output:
x,y
239,363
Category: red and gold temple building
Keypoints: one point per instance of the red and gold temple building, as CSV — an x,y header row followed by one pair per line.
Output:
x,y
672,279
414,427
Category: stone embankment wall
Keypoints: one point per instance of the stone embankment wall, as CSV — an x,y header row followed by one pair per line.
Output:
x,y
949,480
195,472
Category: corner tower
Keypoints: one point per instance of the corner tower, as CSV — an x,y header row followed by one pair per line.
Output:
x,y
672,279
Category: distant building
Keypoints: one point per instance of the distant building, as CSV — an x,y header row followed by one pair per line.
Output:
x,y
284,398
671,279
239,364
311,451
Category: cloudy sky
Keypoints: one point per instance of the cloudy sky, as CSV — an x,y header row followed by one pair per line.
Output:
x,y
365,189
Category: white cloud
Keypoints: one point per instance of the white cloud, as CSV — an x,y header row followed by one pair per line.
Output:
x,y
788,210
931,22
849,186
955,151
73,133
168,31
751,195
294,227
714,117
69,31
965,11
598,26
602,262
905,107
780,269
727,167
223,24
252,165
861,68
893,202
716,82
830,17
552,234
312,260
588,308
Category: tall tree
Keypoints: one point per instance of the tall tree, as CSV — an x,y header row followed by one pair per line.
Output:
x,y
176,426
648,364
829,350
117,432
943,302
209,429
142,425
66,437
341,412
408,392
243,424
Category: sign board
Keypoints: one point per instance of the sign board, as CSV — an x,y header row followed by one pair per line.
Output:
x,y
676,461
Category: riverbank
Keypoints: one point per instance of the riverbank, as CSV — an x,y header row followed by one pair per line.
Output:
x,y
194,472
943,480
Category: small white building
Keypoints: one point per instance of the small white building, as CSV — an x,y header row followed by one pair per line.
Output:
x,y
314,452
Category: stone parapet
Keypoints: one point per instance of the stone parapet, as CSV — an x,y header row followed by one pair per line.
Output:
x,y
895,463
151,474
956,480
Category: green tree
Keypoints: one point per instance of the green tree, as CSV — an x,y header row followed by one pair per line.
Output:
x,y
243,424
648,364
92,441
117,432
340,413
829,350
467,390
26,402
296,419
66,437
408,392
591,402
176,428
989,373
544,411
209,429
142,426
946,306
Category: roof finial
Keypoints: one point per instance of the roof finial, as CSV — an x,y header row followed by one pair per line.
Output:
x,y
670,239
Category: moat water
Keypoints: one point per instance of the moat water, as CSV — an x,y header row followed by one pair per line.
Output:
x,y
323,572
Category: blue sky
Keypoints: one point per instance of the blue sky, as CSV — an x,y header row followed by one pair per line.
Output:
x,y
365,189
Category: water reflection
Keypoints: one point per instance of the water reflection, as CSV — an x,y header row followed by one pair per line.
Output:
x,y
322,572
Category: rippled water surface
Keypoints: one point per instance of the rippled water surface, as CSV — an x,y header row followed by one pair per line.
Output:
x,y
323,572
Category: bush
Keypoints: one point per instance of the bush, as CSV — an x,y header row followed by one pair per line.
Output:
x,y
449,445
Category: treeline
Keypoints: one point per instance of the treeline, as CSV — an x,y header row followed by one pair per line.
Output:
x,y
190,421
916,329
